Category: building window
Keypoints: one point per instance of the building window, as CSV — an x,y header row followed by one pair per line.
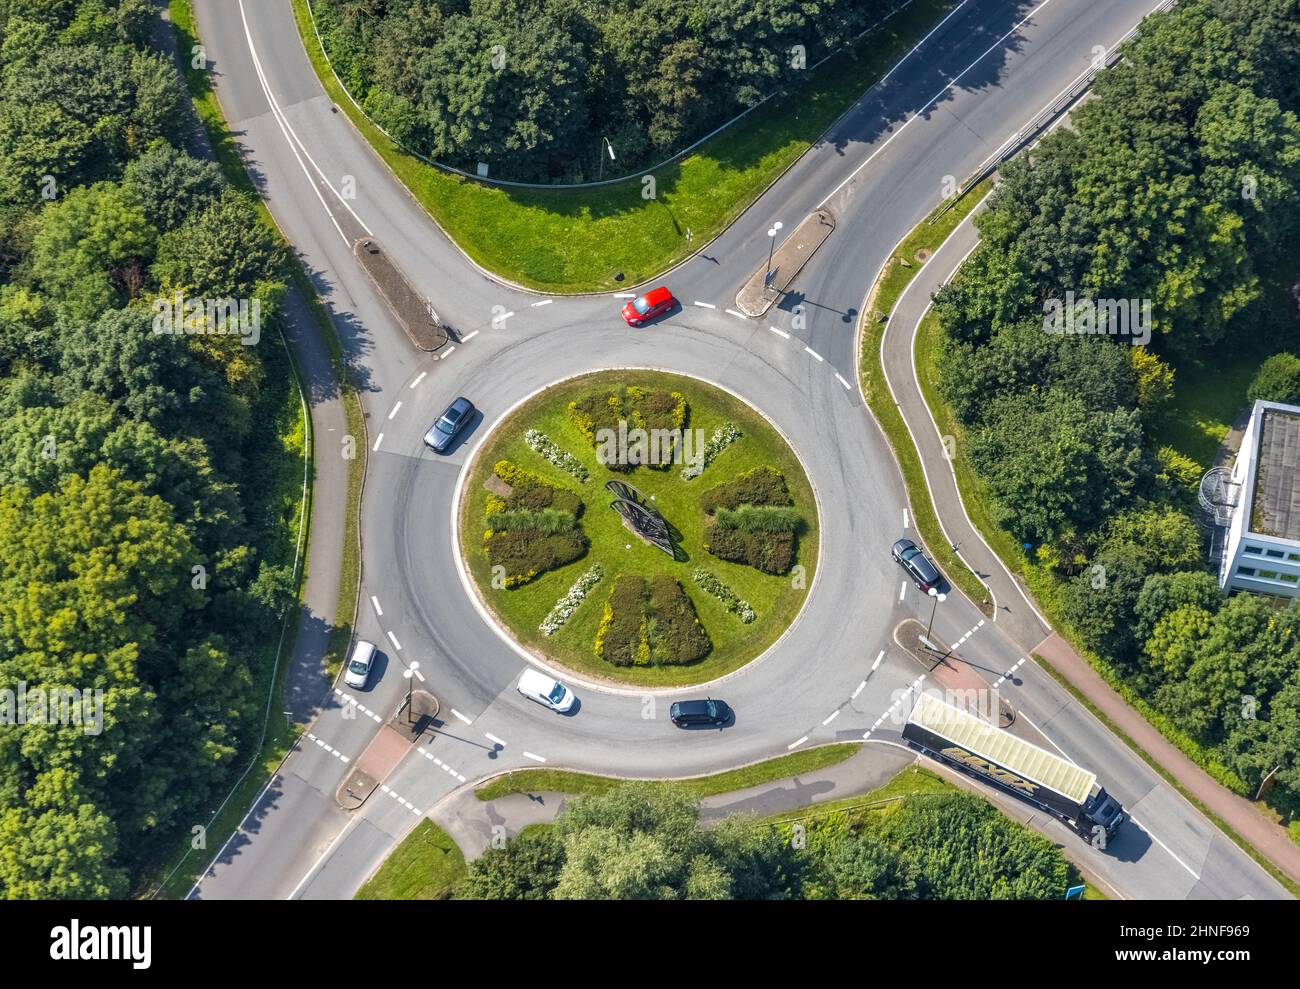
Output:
x,y
1291,578
1246,571
1256,550
1275,553
1268,575
1293,556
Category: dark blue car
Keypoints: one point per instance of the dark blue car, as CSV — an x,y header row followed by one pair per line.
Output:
x,y
444,432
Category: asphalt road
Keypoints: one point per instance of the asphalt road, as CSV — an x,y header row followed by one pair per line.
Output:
x,y
974,81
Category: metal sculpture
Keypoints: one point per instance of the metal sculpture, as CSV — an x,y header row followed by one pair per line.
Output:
x,y
645,521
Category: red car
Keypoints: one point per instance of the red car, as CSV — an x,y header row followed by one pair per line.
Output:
x,y
646,307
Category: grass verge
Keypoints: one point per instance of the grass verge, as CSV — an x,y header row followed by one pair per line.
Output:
x,y
776,599
580,240
425,866
279,734
915,248
588,784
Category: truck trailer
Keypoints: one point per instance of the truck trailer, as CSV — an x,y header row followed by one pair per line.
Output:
x,y
1054,785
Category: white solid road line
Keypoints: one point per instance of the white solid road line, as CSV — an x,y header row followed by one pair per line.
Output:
x,y
394,412
704,305
544,302
535,758
492,738
928,103
1152,835
378,610
469,336
461,716
818,356
418,379
780,333
379,440
396,645
923,40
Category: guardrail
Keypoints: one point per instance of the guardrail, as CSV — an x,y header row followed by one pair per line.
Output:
x,y
1049,113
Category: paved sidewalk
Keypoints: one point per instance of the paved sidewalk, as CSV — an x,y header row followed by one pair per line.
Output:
x,y
1015,615
473,823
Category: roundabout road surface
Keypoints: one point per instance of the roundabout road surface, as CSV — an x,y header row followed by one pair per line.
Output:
x,y
976,79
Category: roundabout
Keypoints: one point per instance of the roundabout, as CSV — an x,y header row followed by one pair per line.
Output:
x,y
724,579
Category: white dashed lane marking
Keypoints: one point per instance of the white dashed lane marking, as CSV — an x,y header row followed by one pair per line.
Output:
x,y
535,758
904,518
320,742
831,717
359,706
969,633
839,377
396,645
461,716
544,302
492,738
818,357
625,295
418,379
439,763
902,591
401,800
876,665
1009,672
394,412
704,305
858,691
916,686
780,333
448,353
378,441
738,315
796,743
469,336
378,610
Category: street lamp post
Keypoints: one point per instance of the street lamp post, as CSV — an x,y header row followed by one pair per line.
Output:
x,y
409,673
937,596
771,248
604,143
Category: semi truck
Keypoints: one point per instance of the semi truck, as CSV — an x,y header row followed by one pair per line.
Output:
x,y
1049,782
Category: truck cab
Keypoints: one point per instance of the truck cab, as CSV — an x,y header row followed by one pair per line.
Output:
x,y
1103,809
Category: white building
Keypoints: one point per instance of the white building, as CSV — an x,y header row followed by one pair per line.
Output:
x,y
1255,505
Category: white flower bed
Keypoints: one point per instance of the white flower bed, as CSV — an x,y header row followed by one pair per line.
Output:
x,y
725,594
722,438
540,443
567,605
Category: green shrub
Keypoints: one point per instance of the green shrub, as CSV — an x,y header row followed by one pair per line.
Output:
x,y
675,633
549,522
759,518
531,492
1277,380
760,486
526,553
639,408
770,552
621,638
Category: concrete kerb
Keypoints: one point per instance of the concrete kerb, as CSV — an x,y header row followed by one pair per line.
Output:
x,y
556,670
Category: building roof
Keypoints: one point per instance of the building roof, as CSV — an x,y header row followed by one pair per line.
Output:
x,y
1002,747
1275,507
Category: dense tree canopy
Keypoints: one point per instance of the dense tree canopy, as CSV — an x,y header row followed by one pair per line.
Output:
x,y
143,554
533,87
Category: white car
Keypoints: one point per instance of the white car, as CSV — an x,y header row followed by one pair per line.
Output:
x,y
360,665
537,686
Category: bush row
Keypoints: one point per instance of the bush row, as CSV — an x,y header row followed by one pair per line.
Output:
x,y
527,553
567,605
621,638
531,492
661,415
548,521
760,486
770,552
736,605
533,529
722,437
751,521
759,518
543,446
650,623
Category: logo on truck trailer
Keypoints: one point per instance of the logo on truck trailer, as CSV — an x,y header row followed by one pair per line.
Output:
x,y
991,770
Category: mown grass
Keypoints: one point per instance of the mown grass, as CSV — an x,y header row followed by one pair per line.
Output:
x,y
776,599
769,771
580,240
884,295
425,866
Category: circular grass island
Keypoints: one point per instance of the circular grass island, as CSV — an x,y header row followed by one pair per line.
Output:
x,y
639,527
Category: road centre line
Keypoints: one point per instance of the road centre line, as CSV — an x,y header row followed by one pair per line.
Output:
x,y
394,412
418,379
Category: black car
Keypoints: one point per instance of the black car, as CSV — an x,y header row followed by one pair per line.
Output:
x,y
924,574
689,714
443,432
